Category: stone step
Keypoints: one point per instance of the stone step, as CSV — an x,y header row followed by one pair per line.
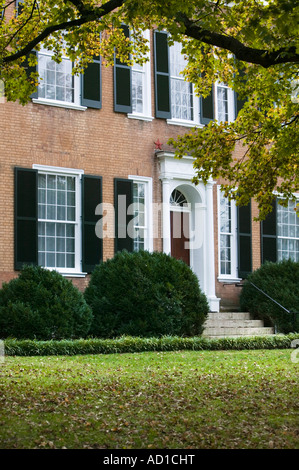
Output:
x,y
233,323
239,331
224,324
229,316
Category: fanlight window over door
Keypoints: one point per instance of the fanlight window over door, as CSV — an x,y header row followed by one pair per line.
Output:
x,y
177,199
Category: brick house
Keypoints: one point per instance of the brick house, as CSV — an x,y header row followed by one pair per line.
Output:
x,y
75,159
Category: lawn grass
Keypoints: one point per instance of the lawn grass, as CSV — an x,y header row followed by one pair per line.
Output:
x,y
151,400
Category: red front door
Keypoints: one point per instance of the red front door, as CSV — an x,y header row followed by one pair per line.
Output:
x,y
179,232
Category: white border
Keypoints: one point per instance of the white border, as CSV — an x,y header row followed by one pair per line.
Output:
x,y
45,169
147,105
233,277
149,245
230,102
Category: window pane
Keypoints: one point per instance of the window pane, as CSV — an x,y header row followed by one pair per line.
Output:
x,y
56,240
70,261
61,245
139,216
50,260
41,259
61,182
50,229
70,198
222,101
60,260
41,243
50,244
288,232
70,245
61,197
71,213
51,197
42,211
57,80
42,196
60,94
225,228
51,182
60,230
51,212
71,183
42,181
61,213
137,91
70,230
181,91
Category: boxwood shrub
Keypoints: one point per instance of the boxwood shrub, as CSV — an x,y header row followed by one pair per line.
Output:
x,y
145,294
127,344
41,304
281,282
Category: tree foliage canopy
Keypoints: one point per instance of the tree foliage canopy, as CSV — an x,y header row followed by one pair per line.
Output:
x,y
252,45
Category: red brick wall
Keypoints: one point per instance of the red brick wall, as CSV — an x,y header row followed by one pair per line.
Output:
x,y
101,142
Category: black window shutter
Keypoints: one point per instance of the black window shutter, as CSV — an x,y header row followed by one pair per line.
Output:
x,y
19,6
91,87
239,103
244,241
123,198
29,70
92,246
25,217
122,83
207,108
269,236
162,75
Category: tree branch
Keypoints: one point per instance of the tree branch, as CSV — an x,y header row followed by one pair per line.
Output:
x,y
87,15
247,54
24,24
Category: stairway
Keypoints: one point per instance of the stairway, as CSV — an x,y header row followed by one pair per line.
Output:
x,y
223,324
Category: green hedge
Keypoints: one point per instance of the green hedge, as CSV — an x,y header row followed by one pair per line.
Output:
x,y
127,344
145,294
43,305
281,282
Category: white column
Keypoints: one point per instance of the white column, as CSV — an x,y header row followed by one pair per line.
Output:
x,y
210,252
166,216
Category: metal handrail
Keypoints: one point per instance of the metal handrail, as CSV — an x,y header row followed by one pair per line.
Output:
x,y
286,310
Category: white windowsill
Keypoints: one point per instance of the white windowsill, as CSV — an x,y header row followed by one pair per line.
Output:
x,y
74,274
141,117
229,280
59,104
182,122
66,273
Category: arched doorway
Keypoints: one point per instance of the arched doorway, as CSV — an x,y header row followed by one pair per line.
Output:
x,y
179,226
184,200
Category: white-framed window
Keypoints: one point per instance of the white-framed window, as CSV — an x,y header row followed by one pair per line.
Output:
x,y
227,237
59,224
184,104
224,103
287,232
141,88
57,85
142,198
